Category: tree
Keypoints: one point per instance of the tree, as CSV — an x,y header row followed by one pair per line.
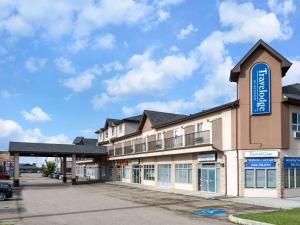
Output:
x,y
48,168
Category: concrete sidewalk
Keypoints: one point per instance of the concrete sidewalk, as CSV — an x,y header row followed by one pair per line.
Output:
x,y
287,203
169,190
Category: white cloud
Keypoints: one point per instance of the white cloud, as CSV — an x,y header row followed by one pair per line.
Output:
x,y
282,7
185,32
53,19
35,64
174,48
242,23
293,75
36,115
176,106
106,41
65,65
5,94
100,101
9,127
83,81
113,66
146,75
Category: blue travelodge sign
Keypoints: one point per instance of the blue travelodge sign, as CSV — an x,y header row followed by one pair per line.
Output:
x,y
260,89
291,162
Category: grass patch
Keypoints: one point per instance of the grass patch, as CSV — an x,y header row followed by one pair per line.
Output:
x,y
281,217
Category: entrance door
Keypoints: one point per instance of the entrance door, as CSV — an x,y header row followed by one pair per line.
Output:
x,y
164,175
136,174
208,178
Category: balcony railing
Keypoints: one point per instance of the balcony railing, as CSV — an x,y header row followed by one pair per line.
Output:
x,y
140,147
110,152
119,151
154,145
188,140
198,138
128,150
173,142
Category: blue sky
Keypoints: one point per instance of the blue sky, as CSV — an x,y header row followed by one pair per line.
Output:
x,y
65,66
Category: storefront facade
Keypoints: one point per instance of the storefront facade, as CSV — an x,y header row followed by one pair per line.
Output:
x,y
248,147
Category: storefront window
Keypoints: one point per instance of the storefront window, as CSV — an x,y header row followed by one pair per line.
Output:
x,y
126,172
271,178
183,173
149,172
260,178
249,178
296,121
292,178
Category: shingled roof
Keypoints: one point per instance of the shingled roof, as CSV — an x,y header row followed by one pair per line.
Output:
x,y
85,141
158,118
291,92
285,64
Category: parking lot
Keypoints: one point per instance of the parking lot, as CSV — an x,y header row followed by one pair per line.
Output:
x,y
45,201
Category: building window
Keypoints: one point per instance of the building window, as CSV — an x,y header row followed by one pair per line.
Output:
x,y
260,178
126,172
100,136
113,131
106,134
199,127
120,128
296,121
292,178
149,172
158,136
183,173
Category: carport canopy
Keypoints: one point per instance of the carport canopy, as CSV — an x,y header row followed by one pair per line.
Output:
x,y
54,150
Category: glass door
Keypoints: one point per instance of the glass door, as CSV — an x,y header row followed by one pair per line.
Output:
x,y
208,178
164,175
136,174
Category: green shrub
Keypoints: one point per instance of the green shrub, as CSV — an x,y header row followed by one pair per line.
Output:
x,y
48,168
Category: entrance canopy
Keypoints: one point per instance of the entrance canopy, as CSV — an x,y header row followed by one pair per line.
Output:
x,y
56,150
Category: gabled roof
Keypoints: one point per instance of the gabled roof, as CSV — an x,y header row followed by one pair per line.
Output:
x,y
159,118
291,92
85,141
285,64
111,122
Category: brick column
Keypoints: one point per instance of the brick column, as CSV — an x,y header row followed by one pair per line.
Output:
x,y
195,172
279,177
17,170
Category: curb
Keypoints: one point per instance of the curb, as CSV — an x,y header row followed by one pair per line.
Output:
x,y
238,220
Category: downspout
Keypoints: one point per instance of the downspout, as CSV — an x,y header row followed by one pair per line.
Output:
x,y
236,145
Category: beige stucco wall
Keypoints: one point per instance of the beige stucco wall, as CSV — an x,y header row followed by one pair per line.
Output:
x,y
264,131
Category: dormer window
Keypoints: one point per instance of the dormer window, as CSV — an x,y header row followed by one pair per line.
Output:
x,y
121,128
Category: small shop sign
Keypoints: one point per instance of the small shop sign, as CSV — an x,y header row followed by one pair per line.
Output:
x,y
207,157
291,162
260,163
260,154
135,161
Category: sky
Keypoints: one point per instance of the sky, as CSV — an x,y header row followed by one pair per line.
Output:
x,y
66,66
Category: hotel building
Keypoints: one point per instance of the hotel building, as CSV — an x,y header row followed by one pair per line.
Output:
x,y
248,147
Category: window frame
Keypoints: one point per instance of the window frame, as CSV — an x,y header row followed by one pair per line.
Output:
x,y
183,173
297,124
266,181
149,169
287,174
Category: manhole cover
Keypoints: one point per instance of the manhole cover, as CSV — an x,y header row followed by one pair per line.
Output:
x,y
209,212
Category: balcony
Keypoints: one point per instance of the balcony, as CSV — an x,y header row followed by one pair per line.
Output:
x,y
128,150
119,151
198,138
154,145
173,142
140,147
188,140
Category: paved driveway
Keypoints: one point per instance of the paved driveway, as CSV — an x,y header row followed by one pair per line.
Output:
x,y
44,201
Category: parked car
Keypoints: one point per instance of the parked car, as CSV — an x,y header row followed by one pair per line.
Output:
x,y
51,175
4,176
57,174
5,191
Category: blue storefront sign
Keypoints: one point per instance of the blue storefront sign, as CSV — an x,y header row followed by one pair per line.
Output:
x,y
291,162
260,163
260,89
